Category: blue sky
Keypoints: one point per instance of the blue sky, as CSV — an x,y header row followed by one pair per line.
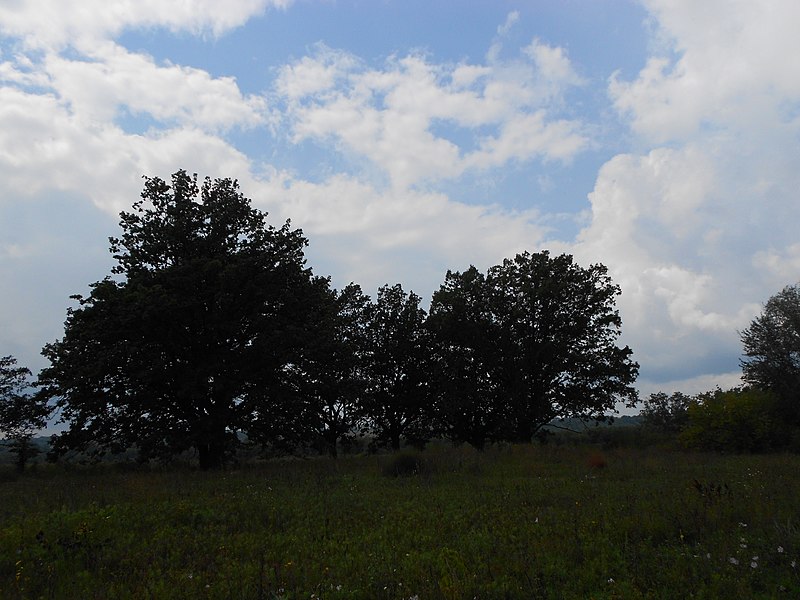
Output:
x,y
659,137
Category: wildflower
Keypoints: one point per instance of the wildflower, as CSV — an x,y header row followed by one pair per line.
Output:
x,y
742,545
610,580
753,564
733,561
794,563
780,549
708,554
742,524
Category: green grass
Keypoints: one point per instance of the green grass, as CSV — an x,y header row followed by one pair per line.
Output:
x,y
515,522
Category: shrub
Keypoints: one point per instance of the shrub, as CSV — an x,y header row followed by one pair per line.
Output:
x,y
736,420
666,414
404,465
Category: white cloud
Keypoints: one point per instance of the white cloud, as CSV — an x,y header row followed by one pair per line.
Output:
x,y
731,68
111,79
552,65
56,23
511,19
43,146
700,231
374,236
394,117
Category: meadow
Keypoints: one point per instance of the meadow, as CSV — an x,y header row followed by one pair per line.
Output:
x,y
512,522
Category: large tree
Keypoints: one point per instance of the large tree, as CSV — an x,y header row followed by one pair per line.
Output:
x,y
194,336
466,371
544,331
772,352
396,402
22,413
330,374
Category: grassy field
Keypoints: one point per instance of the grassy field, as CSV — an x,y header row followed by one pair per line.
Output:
x,y
513,522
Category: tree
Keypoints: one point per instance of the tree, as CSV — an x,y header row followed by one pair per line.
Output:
x,y
396,399
772,352
21,413
467,378
736,420
547,332
193,338
666,413
330,378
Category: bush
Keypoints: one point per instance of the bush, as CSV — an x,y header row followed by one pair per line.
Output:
x,y
404,465
666,414
736,420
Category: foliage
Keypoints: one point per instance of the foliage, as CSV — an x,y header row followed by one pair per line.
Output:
x,y
404,464
735,420
772,352
21,412
330,374
516,522
194,339
467,373
537,336
666,413
396,401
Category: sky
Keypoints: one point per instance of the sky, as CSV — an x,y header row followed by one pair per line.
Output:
x,y
406,138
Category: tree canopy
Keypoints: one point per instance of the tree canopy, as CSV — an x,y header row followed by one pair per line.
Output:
x,y
210,328
193,338
772,351
22,413
537,337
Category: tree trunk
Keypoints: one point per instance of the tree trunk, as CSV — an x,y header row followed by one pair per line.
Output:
x,y
211,455
23,452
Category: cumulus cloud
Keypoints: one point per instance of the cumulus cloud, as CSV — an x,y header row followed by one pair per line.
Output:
x,y
727,68
396,117
377,236
699,229
110,79
55,24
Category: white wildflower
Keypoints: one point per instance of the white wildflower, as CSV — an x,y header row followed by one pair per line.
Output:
x,y
733,561
780,549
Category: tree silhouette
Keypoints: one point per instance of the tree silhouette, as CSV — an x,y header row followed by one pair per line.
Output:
x,y
772,352
397,401
193,337
21,412
537,336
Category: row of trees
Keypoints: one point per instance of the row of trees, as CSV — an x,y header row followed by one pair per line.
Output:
x,y
211,328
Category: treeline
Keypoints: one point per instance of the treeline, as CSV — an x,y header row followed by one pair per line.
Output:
x,y
761,415
211,328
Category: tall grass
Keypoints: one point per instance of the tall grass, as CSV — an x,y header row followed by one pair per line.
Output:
x,y
512,522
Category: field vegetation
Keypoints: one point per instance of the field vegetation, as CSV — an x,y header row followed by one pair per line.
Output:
x,y
515,521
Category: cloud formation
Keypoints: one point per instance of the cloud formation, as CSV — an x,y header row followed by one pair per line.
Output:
x,y
700,228
54,24
399,117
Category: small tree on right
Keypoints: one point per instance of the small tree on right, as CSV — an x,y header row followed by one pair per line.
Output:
x,y
772,352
